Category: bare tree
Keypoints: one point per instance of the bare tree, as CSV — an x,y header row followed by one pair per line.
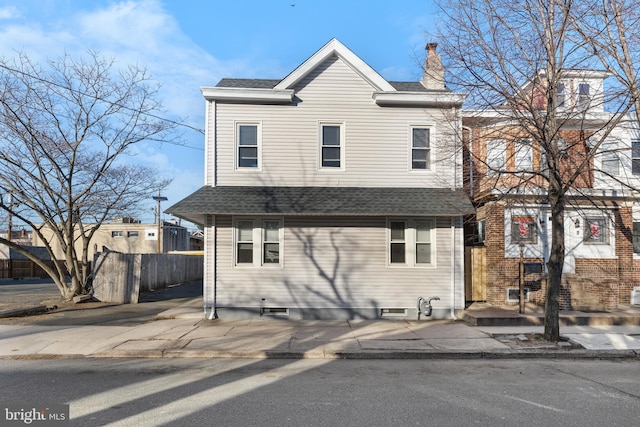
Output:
x,y
609,28
65,129
512,57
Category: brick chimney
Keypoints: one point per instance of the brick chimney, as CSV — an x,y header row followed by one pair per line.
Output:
x,y
433,78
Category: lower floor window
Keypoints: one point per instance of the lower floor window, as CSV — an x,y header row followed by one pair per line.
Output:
x,y
257,241
410,241
595,230
636,237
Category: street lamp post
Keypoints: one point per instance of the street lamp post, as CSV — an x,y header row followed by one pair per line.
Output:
x,y
159,199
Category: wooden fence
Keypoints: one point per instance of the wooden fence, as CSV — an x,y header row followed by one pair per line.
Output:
x,y
121,277
21,269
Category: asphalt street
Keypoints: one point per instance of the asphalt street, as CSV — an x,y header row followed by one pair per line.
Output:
x,y
240,392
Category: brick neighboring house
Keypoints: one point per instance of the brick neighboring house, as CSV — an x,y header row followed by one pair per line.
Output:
x,y
602,219
331,193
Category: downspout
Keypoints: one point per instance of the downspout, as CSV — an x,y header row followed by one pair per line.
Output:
x,y
470,145
453,269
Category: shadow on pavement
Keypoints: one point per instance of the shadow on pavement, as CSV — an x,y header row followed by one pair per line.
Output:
x,y
94,312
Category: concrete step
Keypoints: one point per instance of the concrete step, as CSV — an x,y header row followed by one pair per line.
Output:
x,y
497,317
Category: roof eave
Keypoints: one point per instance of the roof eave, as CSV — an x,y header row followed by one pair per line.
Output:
x,y
419,99
248,95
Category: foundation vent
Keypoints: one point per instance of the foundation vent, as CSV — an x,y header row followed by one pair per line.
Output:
x,y
275,311
393,312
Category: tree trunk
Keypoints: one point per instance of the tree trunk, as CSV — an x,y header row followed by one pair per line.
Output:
x,y
554,267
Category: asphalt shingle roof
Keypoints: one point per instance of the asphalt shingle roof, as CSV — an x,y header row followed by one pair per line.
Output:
x,y
248,83
270,84
326,201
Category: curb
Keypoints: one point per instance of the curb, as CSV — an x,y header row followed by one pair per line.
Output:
x,y
345,355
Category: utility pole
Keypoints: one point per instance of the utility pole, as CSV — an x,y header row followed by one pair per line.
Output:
x,y
159,199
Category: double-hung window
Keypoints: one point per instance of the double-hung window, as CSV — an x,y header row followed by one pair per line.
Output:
x,y
398,246
244,242
524,155
561,96
331,146
248,145
584,96
410,242
258,241
636,237
420,148
635,157
496,156
271,242
611,164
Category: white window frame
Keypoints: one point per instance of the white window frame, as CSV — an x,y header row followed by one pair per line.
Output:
x,y
428,148
117,234
635,158
523,155
610,164
236,137
562,96
496,157
584,97
341,126
411,242
259,241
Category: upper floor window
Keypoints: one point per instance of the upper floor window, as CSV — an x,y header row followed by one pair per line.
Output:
x,y
496,156
117,234
544,163
331,146
583,95
524,155
635,157
132,234
611,164
248,145
420,148
561,95
562,147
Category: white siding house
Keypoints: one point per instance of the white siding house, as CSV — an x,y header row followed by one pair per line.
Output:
x,y
332,193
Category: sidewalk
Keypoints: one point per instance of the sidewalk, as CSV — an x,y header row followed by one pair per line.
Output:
x,y
183,332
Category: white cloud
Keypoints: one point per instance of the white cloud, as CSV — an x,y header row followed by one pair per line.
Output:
x,y
9,12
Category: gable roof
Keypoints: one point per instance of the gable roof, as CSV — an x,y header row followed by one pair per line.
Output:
x,y
321,201
385,93
335,48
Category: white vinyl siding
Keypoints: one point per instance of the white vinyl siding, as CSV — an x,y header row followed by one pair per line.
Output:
x,y
333,262
375,138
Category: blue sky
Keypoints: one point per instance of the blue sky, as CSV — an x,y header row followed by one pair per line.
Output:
x,y
186,44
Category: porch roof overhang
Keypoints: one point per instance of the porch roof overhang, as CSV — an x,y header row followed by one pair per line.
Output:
x,y
321,201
